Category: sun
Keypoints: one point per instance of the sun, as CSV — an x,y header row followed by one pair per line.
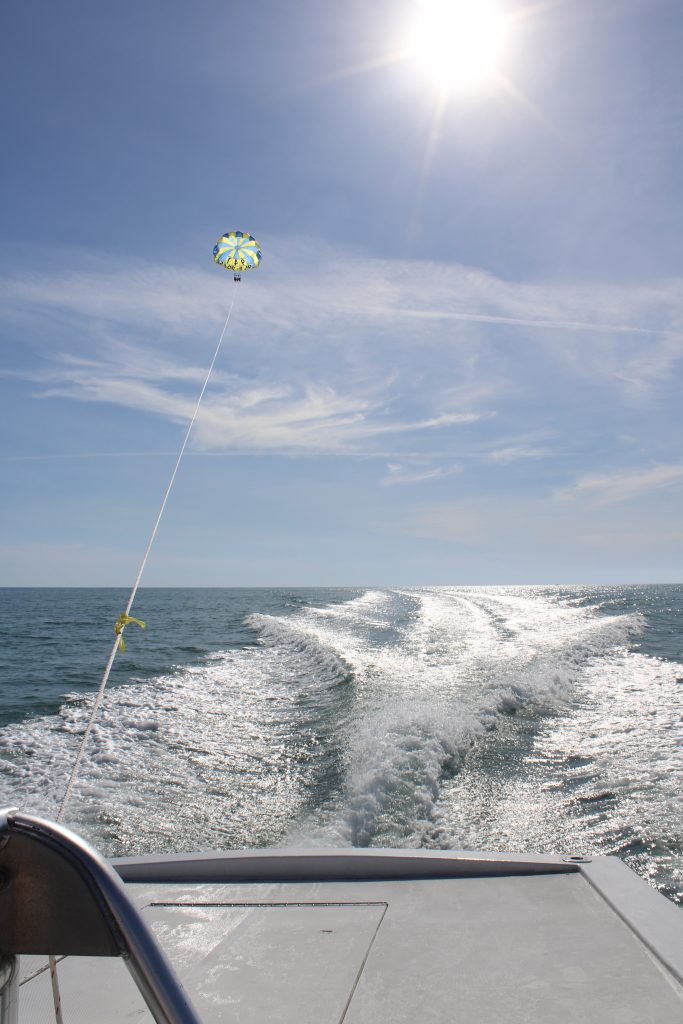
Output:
x,y
457,43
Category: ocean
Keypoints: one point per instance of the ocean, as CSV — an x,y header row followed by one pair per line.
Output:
x,y
546,719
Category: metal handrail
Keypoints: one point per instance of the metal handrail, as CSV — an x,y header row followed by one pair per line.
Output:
x,y
35,853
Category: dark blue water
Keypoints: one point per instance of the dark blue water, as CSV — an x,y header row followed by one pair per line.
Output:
x,y
512,718
55,640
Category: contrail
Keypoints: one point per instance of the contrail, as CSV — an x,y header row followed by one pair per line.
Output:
x,y
289,453
80,455
490,318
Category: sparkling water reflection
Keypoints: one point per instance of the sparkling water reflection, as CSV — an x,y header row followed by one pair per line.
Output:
x,y
515,718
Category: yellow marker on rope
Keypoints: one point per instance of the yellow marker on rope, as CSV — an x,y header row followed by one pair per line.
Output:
x,y
122,621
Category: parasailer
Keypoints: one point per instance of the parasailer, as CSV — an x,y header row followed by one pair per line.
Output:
x,y
237,251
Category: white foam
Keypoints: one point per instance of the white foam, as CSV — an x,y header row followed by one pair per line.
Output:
x,y
216,754
346,723
466,657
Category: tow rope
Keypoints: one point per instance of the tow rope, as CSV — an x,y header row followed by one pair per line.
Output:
x,y
124,619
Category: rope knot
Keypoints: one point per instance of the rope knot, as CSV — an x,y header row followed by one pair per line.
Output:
x,y
121,623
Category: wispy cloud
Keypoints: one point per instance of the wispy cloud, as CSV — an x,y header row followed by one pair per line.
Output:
x,y
328,285
614,488
342,353
533,322
515,453
415,474
61,456
287,417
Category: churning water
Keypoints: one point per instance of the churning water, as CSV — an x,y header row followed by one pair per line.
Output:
x,y
545,719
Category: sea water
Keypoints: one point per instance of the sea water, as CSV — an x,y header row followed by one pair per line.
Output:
x,y
540,719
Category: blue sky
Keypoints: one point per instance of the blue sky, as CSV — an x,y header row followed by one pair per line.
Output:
x,y
460,360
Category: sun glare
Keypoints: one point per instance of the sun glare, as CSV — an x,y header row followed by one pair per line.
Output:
x,y
457,42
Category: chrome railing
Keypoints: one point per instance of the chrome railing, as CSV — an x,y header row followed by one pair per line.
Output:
x,y
59,897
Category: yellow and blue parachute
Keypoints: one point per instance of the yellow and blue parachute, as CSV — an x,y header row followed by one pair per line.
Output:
x,y
236,250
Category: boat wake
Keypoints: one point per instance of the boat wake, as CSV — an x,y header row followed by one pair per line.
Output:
x,y
501,718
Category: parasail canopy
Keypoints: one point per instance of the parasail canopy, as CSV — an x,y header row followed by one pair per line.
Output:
x,y
236,250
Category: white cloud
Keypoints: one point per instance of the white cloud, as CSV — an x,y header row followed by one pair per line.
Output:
x,y
329,294
401,474
289,417
339,352
165,296
515,453
614,488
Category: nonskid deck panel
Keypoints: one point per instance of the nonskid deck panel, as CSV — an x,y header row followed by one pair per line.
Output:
x,y
520,948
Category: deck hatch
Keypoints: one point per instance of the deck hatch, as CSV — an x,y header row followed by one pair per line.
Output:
x,y
242,962
291,962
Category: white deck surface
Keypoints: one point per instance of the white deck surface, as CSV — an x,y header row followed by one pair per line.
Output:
x,y
542,949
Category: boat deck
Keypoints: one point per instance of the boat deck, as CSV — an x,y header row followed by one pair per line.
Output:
x,y
542,946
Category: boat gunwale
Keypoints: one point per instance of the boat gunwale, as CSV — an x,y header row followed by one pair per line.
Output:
x,y
653,918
